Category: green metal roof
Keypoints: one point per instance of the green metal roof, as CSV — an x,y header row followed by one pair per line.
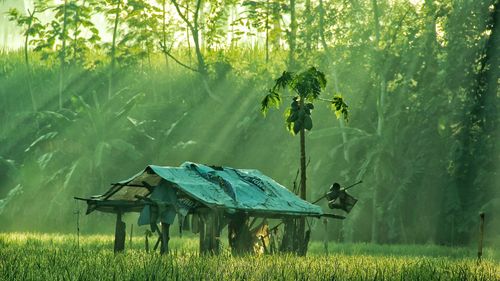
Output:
x,y
215,187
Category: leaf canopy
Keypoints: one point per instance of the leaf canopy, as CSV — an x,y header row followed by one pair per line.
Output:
x,y
307,86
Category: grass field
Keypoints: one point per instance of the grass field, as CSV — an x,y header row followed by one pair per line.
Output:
x,y
56,257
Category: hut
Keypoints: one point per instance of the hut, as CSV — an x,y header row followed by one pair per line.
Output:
x,y
207,198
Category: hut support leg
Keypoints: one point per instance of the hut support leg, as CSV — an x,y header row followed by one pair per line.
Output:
x,y
210,226
209,233
201,227
119,234
165,227
217,222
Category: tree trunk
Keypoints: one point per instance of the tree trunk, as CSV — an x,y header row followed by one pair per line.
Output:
x,y
322,26
303,189
193,26
302,164
199,56
380,122
493,60
202,68
75,37
62,55
308,23
164,31
27,62
292,35
113,50
267,31
475,164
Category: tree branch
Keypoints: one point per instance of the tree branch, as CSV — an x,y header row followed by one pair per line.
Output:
x,y
184,17
197,11
176,60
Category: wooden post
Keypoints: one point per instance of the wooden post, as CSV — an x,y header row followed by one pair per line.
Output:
x,y
272,240
325,242
214,232
481,234
131,235
165,227
201,227
210,227
219,222
120,232
261,237
77,213
209,233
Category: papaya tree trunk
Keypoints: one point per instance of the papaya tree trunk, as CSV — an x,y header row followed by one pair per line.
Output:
x,y
302,159
302,221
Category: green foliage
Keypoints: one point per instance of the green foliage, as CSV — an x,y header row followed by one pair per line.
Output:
x,y
340,107
421,84
73,25
29,256
216,22
273,99
307,87
142,22
264,16
33,28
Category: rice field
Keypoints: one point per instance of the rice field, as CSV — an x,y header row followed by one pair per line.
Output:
x,y
25,256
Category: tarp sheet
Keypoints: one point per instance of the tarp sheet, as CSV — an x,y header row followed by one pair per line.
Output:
x,y
219,187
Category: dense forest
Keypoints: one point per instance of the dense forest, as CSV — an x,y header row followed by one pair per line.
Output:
x,y
92,91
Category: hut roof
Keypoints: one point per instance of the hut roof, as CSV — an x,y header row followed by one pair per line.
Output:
x,y
222,188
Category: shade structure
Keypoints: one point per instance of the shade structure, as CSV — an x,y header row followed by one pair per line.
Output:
x,y
201,186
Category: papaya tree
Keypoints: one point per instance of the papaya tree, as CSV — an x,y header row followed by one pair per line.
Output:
x,y
305,88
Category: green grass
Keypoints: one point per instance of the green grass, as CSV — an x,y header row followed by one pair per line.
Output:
x,y
55,257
